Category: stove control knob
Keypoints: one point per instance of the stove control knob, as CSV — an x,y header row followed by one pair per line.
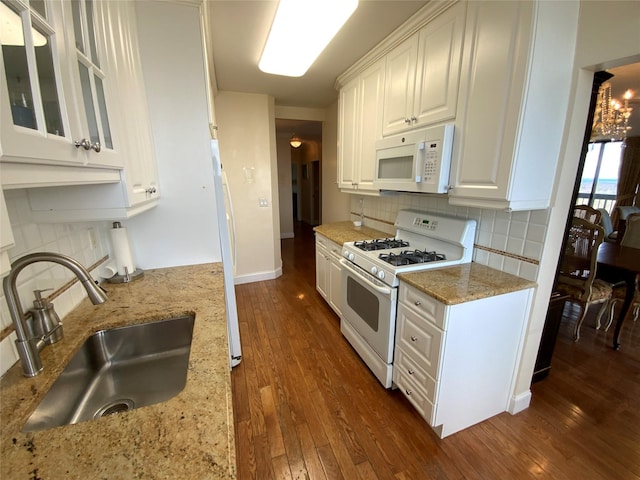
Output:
x,y
381,274
374,270
351,256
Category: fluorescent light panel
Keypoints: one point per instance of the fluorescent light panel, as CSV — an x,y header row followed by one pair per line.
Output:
x,y
300,32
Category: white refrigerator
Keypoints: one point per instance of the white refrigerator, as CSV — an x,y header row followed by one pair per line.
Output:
x,y
224,211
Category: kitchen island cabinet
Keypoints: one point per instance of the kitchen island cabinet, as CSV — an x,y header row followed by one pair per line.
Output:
x,y
459,334
514,94
188,436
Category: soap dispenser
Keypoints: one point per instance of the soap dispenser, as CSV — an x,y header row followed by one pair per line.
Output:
x,y
46,323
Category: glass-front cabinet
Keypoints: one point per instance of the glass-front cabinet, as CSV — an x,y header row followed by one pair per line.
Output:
x,y
56,107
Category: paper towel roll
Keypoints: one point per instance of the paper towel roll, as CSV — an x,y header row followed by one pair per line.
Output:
x,y
121,249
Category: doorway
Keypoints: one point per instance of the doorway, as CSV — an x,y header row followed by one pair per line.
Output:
x,y
299,173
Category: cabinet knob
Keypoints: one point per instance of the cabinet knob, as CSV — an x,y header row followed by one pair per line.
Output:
x,y
414,119
84,143
411,371
96,147
450,187
414,338
408,392
407,121
417,303
151,190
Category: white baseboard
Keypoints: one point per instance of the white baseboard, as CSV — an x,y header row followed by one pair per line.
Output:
x,y
519,402
287,235
257,277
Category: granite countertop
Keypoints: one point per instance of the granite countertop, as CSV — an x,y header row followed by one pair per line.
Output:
x,y
188,436
341,232
464,283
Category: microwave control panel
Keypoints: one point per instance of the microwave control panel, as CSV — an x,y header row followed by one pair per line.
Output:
x,y
432,150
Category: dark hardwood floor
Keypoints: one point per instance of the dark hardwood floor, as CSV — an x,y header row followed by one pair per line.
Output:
x,y
306,407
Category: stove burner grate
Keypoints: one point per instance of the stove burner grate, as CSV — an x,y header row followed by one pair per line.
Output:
x,y
411,257
380,244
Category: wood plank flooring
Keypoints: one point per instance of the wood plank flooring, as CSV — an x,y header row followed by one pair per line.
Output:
x,y
307,407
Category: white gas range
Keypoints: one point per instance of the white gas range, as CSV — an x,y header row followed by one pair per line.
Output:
x,y
370,272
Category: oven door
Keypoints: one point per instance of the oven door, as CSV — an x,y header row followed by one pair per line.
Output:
x,y
369,307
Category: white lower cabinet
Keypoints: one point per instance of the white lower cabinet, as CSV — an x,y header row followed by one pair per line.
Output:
x,y
329,272
456,363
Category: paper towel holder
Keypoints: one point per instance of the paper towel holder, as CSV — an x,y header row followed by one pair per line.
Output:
x,y
128,276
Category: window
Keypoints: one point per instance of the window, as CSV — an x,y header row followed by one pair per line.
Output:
x,y
599,183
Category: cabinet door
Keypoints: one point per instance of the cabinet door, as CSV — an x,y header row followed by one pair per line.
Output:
x,y
438,69
399,85
118,22
370,123
38,121
497,37
89,42
335,285
348,136
321,269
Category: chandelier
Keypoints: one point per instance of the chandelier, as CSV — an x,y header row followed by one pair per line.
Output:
x,y
611,119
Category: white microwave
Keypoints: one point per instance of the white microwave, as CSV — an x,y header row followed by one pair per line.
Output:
x,y
418,161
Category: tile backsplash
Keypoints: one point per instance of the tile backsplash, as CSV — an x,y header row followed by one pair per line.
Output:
x,y
507,241
88,243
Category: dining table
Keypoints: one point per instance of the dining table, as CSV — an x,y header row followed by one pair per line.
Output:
x,y
616,264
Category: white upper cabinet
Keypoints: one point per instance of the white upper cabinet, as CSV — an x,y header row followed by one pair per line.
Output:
x,y
54,89
360,127
514,92
128,130
422,74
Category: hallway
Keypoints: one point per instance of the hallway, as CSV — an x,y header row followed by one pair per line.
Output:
x,y
306,406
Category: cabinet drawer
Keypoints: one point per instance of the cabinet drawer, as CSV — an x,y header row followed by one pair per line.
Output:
x,y
421,339
424,305
404,364
415,395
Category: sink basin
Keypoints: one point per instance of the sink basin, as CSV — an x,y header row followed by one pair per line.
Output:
x,y
117,370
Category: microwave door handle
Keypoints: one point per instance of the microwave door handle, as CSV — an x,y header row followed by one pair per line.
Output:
x,y
419,163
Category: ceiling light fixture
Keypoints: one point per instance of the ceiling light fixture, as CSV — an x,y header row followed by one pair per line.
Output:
x,y
611,119
300,32
295,141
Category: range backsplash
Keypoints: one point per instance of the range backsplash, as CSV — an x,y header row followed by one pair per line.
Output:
x,y
507,241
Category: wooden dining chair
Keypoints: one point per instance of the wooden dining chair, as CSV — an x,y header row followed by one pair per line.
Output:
x,y
577,277
618,297
631,236
590,214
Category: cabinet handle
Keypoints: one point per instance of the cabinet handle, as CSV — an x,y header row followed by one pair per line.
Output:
x,y
414,119
84,143
407,121
151,190
414,338
417,303
450,187
408,392
96,147
411,371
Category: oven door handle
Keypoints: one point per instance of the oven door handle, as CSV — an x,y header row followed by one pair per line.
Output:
x,y
377,288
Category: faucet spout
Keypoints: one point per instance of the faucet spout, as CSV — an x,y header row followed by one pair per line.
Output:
x,y
27,344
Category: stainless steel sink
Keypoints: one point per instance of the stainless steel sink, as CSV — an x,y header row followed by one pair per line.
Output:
x,y
118,370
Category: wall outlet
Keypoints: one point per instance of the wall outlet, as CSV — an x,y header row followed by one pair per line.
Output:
x,y
263,202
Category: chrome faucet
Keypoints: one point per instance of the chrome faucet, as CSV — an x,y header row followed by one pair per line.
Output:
x,y
28,344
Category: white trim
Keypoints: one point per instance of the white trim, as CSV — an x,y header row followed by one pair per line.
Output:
x,y
257,277
520,402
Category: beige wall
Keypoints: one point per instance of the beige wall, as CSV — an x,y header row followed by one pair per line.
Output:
x,y
335,204
246,130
